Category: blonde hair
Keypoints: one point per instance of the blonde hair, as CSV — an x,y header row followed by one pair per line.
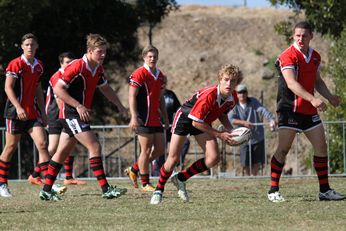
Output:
x,y
95,40
232,70
148,49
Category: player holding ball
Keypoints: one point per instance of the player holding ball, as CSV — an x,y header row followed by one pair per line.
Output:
x,y
195,117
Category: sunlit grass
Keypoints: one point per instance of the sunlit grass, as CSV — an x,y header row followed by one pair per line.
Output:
x,y
224,204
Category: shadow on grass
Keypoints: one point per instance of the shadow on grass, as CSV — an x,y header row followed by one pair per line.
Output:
x,y
86,194
19,211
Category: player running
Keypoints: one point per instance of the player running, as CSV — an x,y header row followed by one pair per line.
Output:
x,y
195,117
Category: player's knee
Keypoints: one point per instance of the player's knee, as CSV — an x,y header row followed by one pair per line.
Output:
x,y
212,161
41,145
281,153
173,160
321,148
51,151
9,149
146,152
95,148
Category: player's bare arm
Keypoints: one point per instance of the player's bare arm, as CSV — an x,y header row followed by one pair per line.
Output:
x,y
11,95
61,93
322,88
134,122
297,89
223,135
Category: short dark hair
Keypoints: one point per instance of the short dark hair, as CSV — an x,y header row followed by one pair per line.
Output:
x,y
303,25
29,36
67,54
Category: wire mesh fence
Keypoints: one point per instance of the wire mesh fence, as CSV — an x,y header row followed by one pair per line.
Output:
x,y
120,149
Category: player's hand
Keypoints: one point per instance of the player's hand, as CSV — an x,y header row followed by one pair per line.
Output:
x,y
273,125
83,112
319,104
226,136
135,122
21,114
335,100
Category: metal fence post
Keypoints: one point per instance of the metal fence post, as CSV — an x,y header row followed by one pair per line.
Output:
x,y
19,162
343,145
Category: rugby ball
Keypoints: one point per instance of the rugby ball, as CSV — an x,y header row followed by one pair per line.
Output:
x,y
240,135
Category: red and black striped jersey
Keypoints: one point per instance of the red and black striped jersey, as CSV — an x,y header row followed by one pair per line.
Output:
x,y
207,105
81,82
306,69
27,76
148,98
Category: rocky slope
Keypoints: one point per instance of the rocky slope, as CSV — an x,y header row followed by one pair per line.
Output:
x,y
196,41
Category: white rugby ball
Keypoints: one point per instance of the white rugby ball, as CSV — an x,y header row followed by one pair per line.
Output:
x,y
241,135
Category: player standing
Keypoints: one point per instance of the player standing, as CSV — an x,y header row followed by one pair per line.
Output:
x,y
76,88
24,93
54,124
146,102
297,107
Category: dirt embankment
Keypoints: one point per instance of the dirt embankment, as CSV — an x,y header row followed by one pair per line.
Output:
x,y
196,41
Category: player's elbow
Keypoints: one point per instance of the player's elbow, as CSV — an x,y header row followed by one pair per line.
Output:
x,y
8,89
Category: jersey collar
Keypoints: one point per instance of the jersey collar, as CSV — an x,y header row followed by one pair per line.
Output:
x,y
93,72
307,58
28,63
219,97
61,70
152,74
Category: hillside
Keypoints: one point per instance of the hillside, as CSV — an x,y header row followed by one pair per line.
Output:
x,y
195,41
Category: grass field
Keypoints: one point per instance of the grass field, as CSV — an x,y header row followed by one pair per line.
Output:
x,y
224,204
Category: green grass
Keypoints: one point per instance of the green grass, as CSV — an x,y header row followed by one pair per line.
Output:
x,y
224,204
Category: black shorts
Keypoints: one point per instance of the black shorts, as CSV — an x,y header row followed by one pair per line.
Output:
x,y
257,154
55,127
182,126
297,121
149,130
15,126
74,126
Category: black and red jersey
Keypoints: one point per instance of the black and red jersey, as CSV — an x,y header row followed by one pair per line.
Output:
x,y
27,76
81,82
207,105
148,98
306,69
51,107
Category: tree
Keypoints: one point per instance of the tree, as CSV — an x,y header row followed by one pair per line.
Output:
x,y
152,12
327,16
62,25
336,69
